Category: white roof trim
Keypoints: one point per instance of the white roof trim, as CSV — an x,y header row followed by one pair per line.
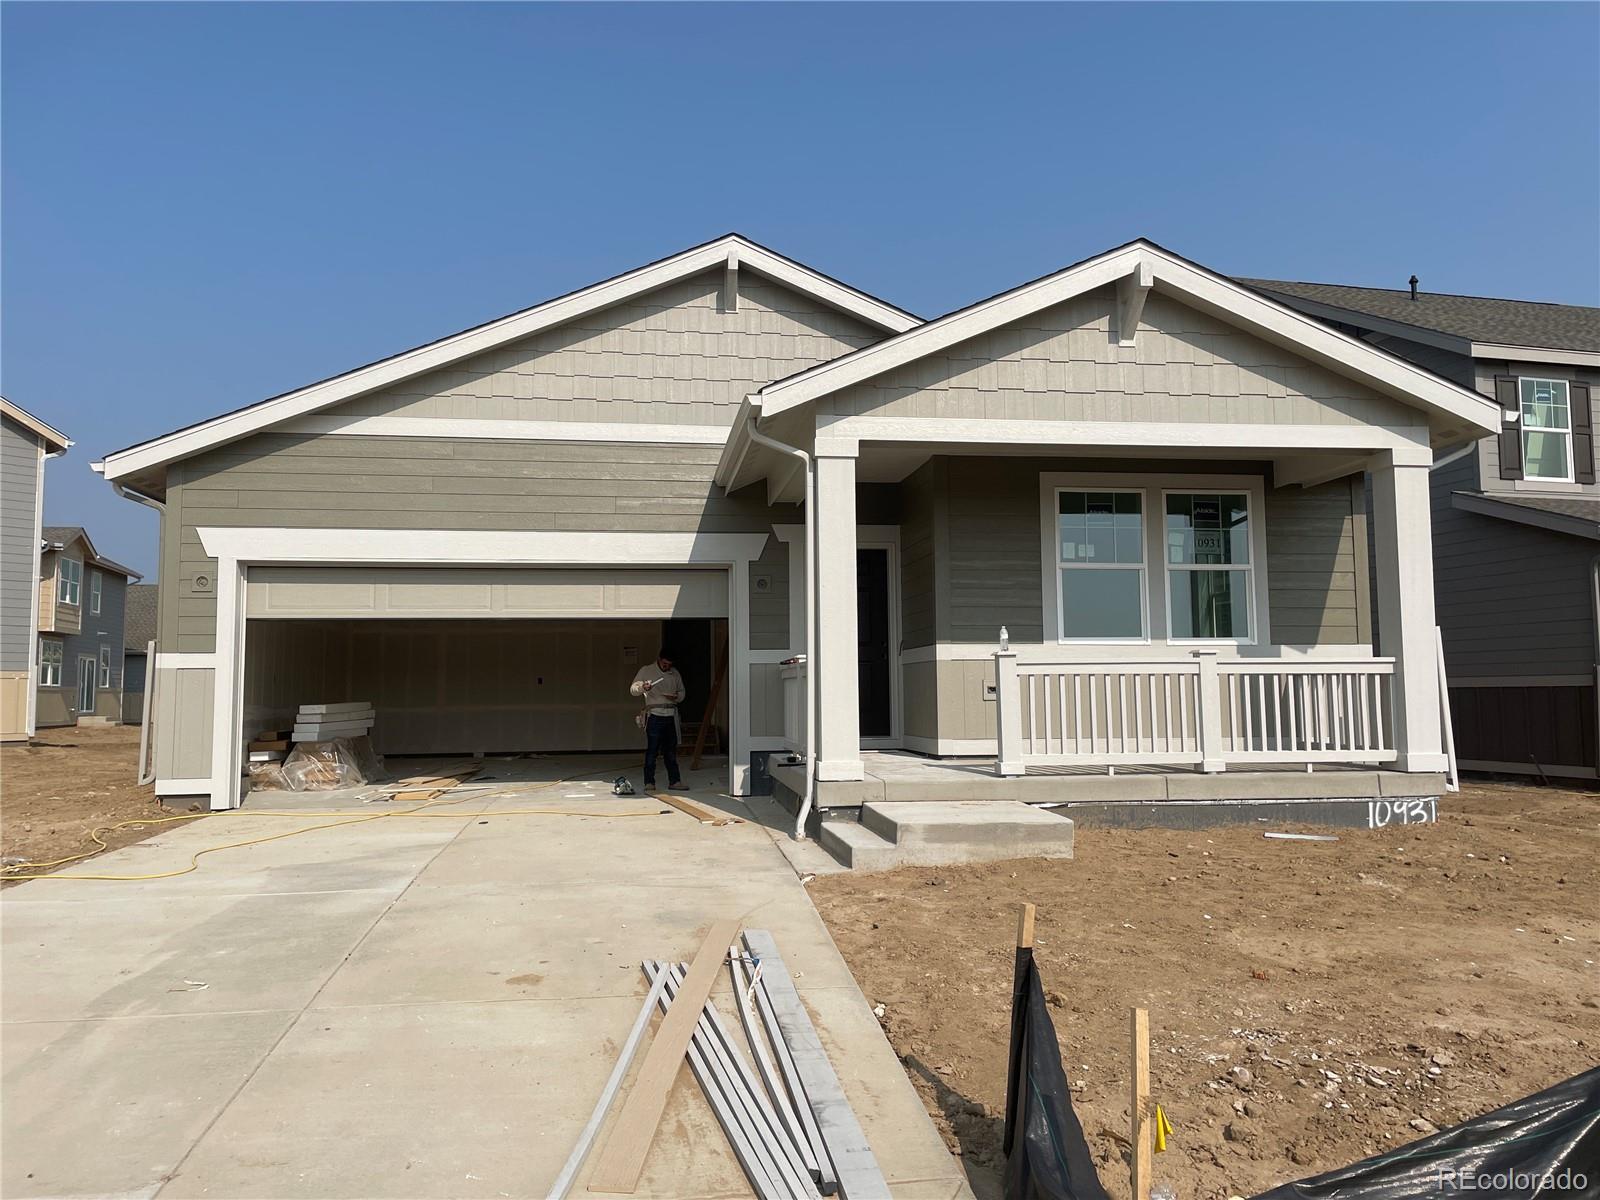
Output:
x,y
1203,289
52,438
234,425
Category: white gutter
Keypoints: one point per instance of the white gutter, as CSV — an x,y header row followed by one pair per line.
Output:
x,y
1455,455
762,439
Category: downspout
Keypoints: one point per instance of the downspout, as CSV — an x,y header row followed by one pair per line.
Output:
x,y
1455,455
147,767
762,439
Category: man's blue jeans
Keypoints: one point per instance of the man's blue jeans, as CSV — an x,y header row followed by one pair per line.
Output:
x,y
660,737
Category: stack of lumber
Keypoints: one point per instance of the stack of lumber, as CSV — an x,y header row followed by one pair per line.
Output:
x,y
324,722
774,1092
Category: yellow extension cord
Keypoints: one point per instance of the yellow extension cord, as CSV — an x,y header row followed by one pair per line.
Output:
x,y
8,873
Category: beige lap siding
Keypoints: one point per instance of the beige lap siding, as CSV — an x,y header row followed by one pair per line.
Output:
x,y
319,482
1063,364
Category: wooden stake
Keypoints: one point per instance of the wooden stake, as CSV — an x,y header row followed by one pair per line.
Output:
x,y
1139,1107
1025,927
622,1161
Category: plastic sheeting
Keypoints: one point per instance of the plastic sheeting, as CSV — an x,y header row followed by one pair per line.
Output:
x,y
1046,1155
1546,1145
326,766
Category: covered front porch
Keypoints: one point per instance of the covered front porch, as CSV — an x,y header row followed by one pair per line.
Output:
x,y
1136,559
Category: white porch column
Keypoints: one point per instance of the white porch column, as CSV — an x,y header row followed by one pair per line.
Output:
x,y
1403,536
838,692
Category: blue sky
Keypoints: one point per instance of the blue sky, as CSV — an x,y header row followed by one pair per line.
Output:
x,y
206,205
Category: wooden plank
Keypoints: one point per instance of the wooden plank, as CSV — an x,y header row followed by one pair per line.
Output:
x,y
854,1163
1139,1107
622,1160
706,816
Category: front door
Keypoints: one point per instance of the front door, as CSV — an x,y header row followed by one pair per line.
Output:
x,y
86,668
873,653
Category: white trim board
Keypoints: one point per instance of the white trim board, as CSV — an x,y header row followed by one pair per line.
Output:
x,y
510,430
447,547
434,355
237,548
1457,410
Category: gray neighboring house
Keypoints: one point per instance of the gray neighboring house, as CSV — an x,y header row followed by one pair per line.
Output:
x,y
81,614
1516,520
138,631
1147,475
26,443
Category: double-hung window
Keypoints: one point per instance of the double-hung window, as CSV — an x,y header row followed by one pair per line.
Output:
x,y
70,572
1546,429
51,656
96,582
1100,565
1209,568
105,667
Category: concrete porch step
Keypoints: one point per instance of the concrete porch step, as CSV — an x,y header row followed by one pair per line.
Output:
x,y
895,834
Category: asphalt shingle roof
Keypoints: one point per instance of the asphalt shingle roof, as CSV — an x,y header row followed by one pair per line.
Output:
x,y
61,534
1476,318
139,617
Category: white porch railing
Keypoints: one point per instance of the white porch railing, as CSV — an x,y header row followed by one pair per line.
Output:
x,y
1195,711
794,706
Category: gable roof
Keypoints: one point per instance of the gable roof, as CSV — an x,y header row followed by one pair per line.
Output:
x,y
54,440
731,250
139,617
1465,412
59,537
1482,320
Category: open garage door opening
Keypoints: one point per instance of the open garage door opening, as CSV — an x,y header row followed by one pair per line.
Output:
x,y
489,661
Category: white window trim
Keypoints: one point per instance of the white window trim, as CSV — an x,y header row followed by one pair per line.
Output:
x,y
77,582
105,667
1155,598
1524,429
1253,510
96,586
1143,567
51,667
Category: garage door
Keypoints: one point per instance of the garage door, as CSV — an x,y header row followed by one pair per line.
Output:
x,y
323,592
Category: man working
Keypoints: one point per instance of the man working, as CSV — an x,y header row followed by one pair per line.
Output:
x,y
661,688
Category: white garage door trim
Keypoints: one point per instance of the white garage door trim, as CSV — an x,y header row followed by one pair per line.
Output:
x,y
238,549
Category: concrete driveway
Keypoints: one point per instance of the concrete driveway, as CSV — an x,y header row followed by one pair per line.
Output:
x,y
408,1006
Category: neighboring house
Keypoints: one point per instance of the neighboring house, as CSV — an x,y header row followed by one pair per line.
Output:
x,y
1516,519
25,443
80,630
1149,475
138,631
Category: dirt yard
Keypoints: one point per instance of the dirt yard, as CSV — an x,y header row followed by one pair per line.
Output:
x,y
67,783
1310,1003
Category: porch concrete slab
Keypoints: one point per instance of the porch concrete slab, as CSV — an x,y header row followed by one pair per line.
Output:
x,y
98,958
1050,789
1395,783
1274,785
110,1107
841,793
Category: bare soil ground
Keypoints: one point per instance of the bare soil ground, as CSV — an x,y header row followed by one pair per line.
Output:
x,y
69,782
1310,1003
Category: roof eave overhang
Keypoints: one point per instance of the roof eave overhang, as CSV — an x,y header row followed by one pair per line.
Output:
x,y
724,251
54,441
1454,412
1537,518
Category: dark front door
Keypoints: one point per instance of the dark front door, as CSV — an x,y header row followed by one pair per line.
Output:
x,y
872,639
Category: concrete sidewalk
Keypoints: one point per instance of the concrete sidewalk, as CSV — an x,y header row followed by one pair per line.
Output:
x,y
407,1007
